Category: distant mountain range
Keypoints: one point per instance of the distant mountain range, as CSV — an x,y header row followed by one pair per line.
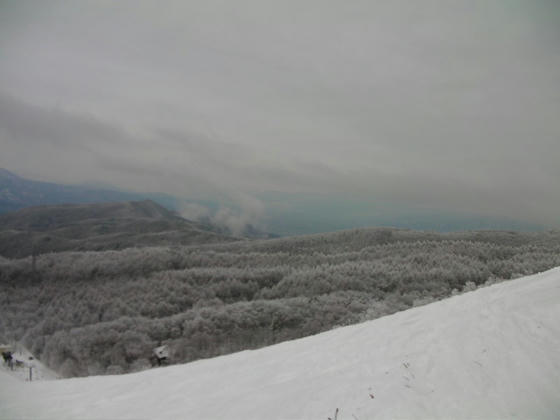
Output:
x,y
286,214
100,226
17,193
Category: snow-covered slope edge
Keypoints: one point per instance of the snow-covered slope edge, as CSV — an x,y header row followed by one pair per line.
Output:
x,y
491,353
22,361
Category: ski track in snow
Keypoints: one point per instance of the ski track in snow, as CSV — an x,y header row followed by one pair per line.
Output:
x,y
488,354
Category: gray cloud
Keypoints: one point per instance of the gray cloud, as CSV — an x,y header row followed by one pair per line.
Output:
x,y
448,105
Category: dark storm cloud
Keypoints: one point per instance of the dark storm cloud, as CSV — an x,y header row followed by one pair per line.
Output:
x,y
181,163
439,104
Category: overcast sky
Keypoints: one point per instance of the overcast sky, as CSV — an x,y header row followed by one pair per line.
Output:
x,y
445,105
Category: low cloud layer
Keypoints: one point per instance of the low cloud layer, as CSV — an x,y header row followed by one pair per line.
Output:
x,y
236,216
443,105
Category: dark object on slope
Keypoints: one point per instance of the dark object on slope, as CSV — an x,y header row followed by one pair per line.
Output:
x,y
7,356
8,359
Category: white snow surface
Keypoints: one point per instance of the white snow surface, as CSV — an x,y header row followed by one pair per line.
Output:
x,y
489,354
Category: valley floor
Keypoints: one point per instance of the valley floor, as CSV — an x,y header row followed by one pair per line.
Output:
x,y
491,353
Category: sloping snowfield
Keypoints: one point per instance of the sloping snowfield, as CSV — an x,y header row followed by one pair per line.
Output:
x,y
489,354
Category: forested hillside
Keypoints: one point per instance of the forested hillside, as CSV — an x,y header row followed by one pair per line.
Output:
x,y
103,312
96,227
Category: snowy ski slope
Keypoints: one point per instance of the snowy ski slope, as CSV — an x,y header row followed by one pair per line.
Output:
x,y
489,354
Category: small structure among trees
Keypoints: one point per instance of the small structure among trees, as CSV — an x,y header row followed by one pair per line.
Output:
x,y
160,355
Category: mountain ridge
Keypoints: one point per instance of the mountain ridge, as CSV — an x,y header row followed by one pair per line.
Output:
x,y
98,226
17,192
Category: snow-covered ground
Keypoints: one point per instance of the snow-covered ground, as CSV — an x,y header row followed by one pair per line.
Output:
x,y
25,367
489,354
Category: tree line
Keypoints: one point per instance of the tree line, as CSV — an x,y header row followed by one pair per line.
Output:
x,y
87,313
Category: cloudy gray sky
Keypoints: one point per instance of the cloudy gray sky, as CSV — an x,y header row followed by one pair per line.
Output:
x,y
443,105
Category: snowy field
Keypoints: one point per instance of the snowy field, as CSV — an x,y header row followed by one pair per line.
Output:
x,y
489,354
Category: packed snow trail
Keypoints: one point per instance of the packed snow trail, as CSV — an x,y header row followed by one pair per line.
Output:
x,y
492,353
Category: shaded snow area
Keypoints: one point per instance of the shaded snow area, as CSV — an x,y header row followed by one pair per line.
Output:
x,y
488,354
